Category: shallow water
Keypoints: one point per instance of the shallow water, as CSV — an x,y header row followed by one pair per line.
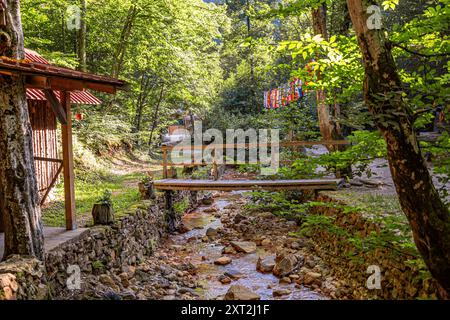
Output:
x,y
262,284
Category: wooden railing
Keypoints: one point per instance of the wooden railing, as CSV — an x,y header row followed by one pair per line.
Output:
x,y
284,144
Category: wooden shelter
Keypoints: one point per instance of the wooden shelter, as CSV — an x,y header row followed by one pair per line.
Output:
x,y
51,92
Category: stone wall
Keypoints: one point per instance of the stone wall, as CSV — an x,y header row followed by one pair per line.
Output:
x,y
22,278
125,243
400,279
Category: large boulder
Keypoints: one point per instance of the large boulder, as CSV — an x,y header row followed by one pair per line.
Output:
x,y
237,292
244,246
265,265
286,265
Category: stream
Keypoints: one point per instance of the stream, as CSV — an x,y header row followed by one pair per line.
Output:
x,y
244,265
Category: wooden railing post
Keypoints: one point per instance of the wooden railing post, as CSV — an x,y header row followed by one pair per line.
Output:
x,y
165,163
69,187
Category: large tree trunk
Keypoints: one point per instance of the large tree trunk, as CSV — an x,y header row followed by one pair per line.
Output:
x,y
319,19
19,199
427,214
82,38
328,129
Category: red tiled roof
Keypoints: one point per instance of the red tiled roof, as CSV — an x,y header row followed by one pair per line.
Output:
x,y
33,56
30,67
76,97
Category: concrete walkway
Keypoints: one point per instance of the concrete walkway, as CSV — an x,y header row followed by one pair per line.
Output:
x,y
53,237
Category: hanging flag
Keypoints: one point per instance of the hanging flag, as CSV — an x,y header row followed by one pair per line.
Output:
x,y
284,95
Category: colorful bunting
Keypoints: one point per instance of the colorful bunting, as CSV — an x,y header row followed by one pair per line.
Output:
x,y
284,95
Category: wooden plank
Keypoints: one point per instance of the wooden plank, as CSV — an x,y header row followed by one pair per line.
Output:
x,y
69,188
37,82
101,87
228,185
57,108
48,159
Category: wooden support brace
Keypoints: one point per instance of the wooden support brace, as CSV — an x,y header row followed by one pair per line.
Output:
x,y
52,184
57,107
69,188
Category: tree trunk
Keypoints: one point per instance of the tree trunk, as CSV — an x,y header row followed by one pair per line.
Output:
x,y
19,198
427,214
328,129
144,90
121,48
82,38
155,120
319,16
103,214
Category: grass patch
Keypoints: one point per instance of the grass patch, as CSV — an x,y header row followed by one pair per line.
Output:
x,y
125,194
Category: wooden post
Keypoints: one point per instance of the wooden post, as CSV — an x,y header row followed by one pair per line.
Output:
x,y
69,188
215,169
165,171
171,216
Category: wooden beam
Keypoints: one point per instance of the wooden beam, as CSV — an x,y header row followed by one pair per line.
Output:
x,y
69,187
37,82
48,160
101,87
57,108
231,185
64,84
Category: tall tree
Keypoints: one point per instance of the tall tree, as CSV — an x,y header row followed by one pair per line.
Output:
x,y
329,129
319,19
119,54
82,38
427,214
19,199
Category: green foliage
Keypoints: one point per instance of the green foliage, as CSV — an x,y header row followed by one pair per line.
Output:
x,y
365,147
441,161
98,265
248,168
180,207
105,198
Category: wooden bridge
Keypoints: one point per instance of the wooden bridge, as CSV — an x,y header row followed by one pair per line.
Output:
x,y
232,185
169,186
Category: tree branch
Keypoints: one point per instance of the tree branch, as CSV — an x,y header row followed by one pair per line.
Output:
x,y
425,55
